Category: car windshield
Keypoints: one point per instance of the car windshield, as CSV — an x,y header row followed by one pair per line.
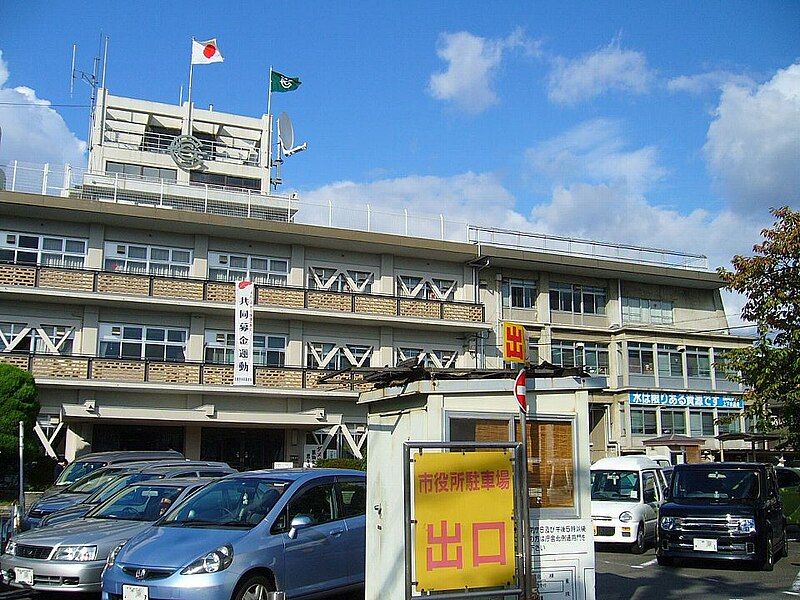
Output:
x,y
113,486
92,483
77,470
615,486
240,502
139,503
715,484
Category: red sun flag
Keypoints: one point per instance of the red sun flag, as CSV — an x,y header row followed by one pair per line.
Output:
x,y
207,52
521,390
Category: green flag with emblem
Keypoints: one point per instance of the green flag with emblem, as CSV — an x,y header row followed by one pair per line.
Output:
x,y
282,83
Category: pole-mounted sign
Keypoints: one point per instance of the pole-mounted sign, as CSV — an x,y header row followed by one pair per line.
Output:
x,y
243,347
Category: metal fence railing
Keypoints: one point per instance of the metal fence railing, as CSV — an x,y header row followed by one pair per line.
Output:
x,y
74,182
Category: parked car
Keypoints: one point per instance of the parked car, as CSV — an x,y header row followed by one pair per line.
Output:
x,y
84,465
789,486
298,531
626,494
83,488
723,510
156,471
71,557
663,461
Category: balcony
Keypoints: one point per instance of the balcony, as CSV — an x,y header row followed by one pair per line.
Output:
x,y
116,370
245,153
112,284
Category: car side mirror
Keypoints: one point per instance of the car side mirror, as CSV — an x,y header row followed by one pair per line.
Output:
x,y
298,523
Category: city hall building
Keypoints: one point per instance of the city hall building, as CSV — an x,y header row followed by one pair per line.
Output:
x,y
117,288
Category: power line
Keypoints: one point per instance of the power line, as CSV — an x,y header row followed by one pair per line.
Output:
x,y
44,105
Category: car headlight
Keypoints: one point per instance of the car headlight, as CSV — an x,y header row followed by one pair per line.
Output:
x,y
79,553
112,556
213,562
11,548
668,523
626,516
747,525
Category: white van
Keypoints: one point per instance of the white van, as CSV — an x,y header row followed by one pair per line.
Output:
x,y
626,494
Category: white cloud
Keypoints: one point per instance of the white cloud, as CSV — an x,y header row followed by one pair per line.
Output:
x,y
32,130
595,151
705,82
472,63
753,144
588,76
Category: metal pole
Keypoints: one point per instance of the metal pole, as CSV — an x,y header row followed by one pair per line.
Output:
x,y
21,467
269,133
189,94
526,519
105,96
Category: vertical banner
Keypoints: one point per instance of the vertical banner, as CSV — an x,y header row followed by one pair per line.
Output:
x,y
515,343
243,349
464,511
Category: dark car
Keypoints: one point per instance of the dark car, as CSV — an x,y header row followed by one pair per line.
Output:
x,y
728,511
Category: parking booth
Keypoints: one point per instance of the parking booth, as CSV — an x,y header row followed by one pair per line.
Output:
x,y
445,491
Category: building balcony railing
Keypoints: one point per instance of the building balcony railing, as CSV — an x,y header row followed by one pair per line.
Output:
x,y
159,143
124,370
202,290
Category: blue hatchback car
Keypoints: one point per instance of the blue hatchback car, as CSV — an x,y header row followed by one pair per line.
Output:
x,y
298,531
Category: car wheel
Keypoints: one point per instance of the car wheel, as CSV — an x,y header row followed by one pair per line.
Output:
x,y
768,560
665,561
639,546
254,588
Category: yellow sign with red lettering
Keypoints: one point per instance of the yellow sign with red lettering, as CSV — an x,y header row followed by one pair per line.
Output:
x,y
464,513
515,343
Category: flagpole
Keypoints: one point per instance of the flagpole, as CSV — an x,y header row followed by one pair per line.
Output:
x,y
191,72
269,135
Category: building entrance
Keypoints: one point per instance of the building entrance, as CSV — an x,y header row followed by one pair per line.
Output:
x,y
243,449
109,438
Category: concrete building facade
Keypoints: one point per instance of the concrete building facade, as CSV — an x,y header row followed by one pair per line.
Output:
x,y
117,284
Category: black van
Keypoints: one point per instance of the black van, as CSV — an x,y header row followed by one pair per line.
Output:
x,y
728,511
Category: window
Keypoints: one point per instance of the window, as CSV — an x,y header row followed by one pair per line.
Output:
x,y
158,139
45,250
551,468
649,487
152,260
701,422
132,170
268,350
642,310
643,421
670,361
41,339
335,280
720,371
479,430
258,269
640,358
225,181
585,299
594,357
432,359
354,498
729,421
327,355
412,286
317,503
519,293
142,341
698,363
673,421
787,478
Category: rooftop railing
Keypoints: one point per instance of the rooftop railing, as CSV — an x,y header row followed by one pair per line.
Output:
x,y
75,182
160,142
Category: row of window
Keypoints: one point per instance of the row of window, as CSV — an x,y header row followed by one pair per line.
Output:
x,y
645,421
644,358
594,357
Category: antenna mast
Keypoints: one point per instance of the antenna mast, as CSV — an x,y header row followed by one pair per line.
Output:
x,y
93,80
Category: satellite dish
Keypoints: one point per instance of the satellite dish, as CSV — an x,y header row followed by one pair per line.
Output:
x,y
286,136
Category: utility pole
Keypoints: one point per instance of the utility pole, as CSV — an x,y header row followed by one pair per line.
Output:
x,y
21,467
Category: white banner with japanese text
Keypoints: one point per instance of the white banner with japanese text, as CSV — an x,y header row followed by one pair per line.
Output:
x,y
243,349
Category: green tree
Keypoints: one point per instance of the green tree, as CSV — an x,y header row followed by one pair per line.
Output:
x,y
770,369
18,402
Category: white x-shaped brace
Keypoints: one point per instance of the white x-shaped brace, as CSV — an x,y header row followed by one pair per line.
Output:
x,y
323,361
440,293
52,345
430,354
327,283
47,442
355,448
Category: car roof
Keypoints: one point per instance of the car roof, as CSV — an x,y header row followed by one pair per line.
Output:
x,y
723,465
299,474
127,455
177,481
625,463
189,465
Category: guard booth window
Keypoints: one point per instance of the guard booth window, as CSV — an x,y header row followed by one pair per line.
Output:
x,y
551,465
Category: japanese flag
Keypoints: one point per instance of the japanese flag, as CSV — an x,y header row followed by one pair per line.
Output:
x,y
207,52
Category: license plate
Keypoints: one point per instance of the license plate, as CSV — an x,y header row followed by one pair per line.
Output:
x,y
135,592
24,576
703,545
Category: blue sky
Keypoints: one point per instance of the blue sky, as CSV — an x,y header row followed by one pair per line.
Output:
x,y
666,124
